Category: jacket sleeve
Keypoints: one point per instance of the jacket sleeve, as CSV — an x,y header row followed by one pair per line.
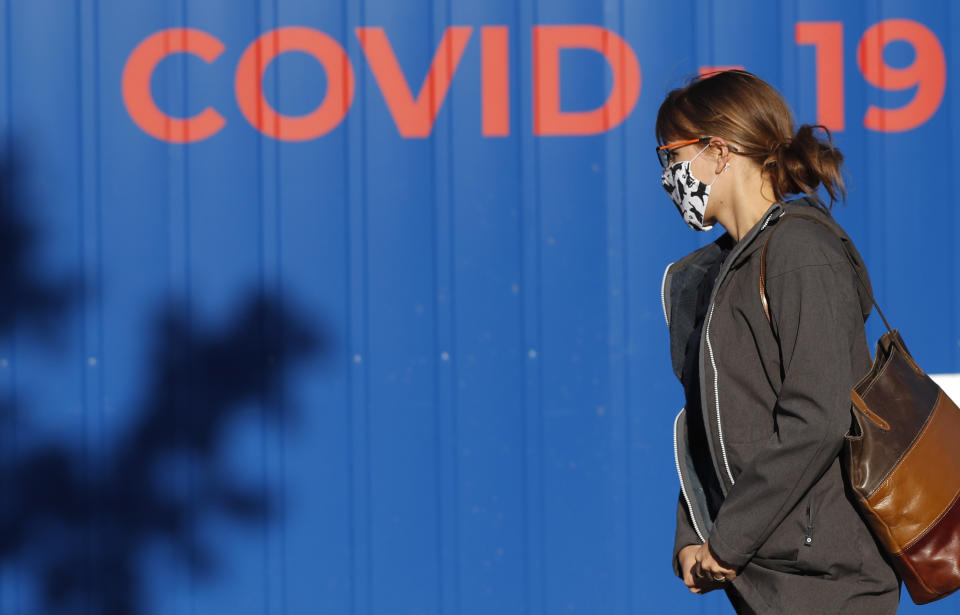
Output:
x,y
814,310
685,534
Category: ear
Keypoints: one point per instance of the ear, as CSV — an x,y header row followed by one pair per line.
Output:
x,y
722,153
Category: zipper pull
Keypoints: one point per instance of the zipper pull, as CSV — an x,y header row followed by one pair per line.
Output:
x,y
808,536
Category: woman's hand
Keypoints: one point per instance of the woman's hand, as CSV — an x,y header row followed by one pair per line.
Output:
x,y
688,565
707,566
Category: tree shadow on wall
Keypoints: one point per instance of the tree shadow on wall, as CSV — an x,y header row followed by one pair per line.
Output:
x,y
30,301
77,522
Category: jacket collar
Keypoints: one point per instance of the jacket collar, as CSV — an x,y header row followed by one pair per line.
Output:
x,y
750,245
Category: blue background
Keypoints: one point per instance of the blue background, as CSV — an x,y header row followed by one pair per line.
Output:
x,y
367,374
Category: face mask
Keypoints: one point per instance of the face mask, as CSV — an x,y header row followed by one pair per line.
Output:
x,y
688,193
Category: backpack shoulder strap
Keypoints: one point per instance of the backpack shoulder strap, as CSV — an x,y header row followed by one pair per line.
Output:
x,y
763,273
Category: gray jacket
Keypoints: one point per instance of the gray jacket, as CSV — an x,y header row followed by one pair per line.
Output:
x,y
775,406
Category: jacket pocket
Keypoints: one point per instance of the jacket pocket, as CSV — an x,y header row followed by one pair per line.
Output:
x,y
808,533
831,548
787,547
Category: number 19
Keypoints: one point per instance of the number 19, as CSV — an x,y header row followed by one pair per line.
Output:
x,y
927,72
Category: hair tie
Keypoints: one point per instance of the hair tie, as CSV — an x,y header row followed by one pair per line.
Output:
x,y
781,145
775,152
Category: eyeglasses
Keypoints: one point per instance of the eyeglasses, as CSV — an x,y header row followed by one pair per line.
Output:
x,y
663,152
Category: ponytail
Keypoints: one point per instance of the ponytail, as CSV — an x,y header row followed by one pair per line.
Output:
x,y
805,162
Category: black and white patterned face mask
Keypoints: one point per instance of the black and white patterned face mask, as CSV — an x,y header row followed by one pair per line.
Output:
x,y
688,193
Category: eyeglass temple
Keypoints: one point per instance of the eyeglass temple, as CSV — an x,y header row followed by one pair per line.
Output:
x,y
680,144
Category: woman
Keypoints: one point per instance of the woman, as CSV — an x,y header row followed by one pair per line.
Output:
x,y
763,512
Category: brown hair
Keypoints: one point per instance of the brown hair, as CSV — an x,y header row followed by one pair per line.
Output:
x,y
747,111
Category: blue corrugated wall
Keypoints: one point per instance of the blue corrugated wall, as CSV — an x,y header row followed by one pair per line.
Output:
x,y
381,362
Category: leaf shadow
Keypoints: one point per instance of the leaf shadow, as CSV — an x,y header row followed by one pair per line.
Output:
x,y
77,522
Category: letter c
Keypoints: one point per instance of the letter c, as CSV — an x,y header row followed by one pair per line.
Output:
x,y
136,85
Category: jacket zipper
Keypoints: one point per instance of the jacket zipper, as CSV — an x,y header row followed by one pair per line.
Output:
x,y
683,488
716,385
769,219
716,398
808,535
663,294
